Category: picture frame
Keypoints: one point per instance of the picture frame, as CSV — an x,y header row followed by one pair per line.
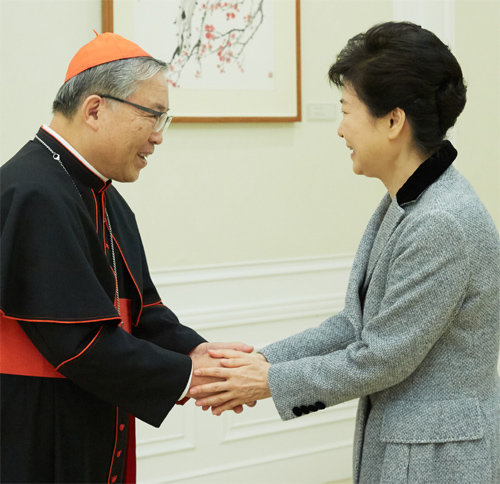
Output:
x,y
252,97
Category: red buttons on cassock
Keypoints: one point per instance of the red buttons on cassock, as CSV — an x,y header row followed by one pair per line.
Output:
x,y
119,453
121,427
114,478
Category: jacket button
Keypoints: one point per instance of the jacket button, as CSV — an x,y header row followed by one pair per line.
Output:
x,y
121,427
297,411
119,453
114,478
320,405
304,409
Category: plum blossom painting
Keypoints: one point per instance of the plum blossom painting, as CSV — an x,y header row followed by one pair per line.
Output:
x,y
228,60
218,44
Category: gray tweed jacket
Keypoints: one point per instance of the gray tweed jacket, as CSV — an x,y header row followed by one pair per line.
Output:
x,y
417,340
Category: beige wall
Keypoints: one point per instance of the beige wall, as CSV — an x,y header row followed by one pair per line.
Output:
x,y
243,192
477,47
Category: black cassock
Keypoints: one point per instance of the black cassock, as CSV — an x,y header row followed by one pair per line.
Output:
x,y
73,369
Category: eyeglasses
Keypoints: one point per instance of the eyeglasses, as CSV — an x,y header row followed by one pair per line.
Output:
x,y
163,119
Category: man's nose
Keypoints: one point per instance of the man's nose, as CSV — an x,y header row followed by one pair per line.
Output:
x,y
156,137
339,130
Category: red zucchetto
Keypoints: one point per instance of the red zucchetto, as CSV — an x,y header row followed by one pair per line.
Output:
x,y
104,48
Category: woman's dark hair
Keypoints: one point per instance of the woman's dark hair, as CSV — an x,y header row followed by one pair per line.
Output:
x,y
399,64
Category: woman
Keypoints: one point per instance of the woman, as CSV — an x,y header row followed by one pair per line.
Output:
x,y
418,339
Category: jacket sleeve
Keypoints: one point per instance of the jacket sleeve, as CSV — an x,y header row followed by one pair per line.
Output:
x,y
335,333
140,377
424,288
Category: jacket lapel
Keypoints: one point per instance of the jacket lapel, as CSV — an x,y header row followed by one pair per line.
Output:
x,y
389,223
360,263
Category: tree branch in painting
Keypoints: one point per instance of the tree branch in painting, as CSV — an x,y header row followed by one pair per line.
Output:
x,y
215,31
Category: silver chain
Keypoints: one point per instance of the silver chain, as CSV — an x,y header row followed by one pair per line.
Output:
x,y
57,157
112,246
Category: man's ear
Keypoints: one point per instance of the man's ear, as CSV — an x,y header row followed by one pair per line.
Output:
x,y
396,121
92,111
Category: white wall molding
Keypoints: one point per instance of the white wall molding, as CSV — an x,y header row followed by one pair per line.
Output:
x,y
297,265
180,437
278,310
224,295
244,464
163,446
272,426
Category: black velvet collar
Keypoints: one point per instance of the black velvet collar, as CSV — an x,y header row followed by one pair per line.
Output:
x,y
427,173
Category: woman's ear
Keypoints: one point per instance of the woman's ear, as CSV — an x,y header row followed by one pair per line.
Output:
x,y
396,120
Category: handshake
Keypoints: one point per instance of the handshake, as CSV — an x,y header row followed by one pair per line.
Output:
x,y
228,375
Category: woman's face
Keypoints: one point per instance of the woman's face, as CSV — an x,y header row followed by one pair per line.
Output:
x,y
365,135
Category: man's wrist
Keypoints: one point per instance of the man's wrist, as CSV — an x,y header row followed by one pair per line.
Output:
x,y
184,393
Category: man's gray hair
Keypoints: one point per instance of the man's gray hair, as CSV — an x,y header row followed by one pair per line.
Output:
x,y
118,78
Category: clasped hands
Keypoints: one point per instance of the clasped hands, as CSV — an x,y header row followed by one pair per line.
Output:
x,y
227,376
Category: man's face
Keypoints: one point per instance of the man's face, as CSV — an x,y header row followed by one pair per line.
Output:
x,y
128,137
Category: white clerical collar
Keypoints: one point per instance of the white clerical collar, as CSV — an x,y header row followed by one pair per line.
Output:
x,y
70,148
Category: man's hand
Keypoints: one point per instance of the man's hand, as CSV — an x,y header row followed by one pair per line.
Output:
x,y
239,378
202,359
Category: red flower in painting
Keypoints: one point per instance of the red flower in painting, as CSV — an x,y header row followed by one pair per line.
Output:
x,y
209,29
212,39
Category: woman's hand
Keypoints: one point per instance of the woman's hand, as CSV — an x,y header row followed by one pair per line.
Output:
x,y
201,358
242,380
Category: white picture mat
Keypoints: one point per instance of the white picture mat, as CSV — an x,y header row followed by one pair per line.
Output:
x,y
279,100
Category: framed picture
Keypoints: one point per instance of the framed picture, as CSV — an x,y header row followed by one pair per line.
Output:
x,y
228,60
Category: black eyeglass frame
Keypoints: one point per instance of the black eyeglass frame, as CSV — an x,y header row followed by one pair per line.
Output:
x,y
162,117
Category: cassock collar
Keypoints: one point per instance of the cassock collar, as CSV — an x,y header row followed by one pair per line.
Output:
x,y
427,173
73,161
